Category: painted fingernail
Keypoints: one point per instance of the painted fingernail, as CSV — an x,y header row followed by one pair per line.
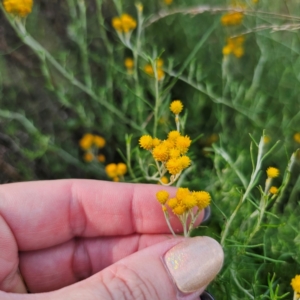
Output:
x,y
194,263
207,213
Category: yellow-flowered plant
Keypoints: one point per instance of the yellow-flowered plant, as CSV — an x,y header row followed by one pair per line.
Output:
x,y
129,65
168,2
297,137
232,18
234,46
186,205
160,73
169,154
124,24
91,143
19,8
295,283
116,171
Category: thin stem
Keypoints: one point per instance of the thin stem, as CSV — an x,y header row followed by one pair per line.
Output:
x,y
168,222
157,100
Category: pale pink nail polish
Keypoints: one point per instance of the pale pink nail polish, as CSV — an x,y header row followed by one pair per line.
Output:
x,y
194,263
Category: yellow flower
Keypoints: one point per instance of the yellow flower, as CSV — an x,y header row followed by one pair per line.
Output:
x,y
116,179
129,63
139,7
297,137
88,157
99,141
162,196
146,142
189,201
182,193
234,46
121,169
160,73
183,143
232,18
266,139
203,199
156,142
18,7
176,107
161,153
101,158
173,165
124,23
272,172
179,210
164,180
173,135
111,170
273,190
185,161
164,208
174,153
168,2
295,283
86,141
172,202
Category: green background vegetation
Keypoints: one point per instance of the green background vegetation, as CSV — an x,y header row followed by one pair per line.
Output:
x,y
45,109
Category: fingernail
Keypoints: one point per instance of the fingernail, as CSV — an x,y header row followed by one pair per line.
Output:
x,y
194,263
206,296
207,213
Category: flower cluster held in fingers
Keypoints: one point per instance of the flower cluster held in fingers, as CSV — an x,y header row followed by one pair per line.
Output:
x,y
234,46
124,24
18,7
184,201
91,143
116,171
171,152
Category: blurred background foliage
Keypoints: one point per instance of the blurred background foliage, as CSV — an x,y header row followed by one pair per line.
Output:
x,y
46,109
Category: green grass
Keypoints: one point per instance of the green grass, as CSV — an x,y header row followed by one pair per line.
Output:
x,y
62,75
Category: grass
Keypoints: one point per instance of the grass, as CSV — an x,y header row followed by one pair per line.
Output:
x,y
63,75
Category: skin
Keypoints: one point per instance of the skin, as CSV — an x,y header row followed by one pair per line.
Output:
x,y
84,239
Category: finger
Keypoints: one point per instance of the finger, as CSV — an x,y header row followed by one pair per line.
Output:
x,y
45,214
174,269
63,265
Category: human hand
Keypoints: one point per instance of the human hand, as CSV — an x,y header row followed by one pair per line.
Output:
x,y
85,239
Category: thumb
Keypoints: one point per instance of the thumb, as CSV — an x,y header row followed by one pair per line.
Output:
x,y
177,268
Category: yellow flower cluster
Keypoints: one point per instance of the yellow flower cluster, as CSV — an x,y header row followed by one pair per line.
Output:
x,y
272,172
90,143
160,73
234,46
295,283
232,18
18,7
168,2
184,201
171,152
115,171
125,23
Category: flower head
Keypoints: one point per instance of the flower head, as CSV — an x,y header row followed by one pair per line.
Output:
x,y
272,172
164,180
297,137
18,7
111,170
168,2
183,143
101,158
179,210
174,166
99,141
273,190
86,141
88,157
234,46
129,63
162,196
146,142
203,199
124,23
176,107
121,169
232,18
295,283
159,71
161,153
